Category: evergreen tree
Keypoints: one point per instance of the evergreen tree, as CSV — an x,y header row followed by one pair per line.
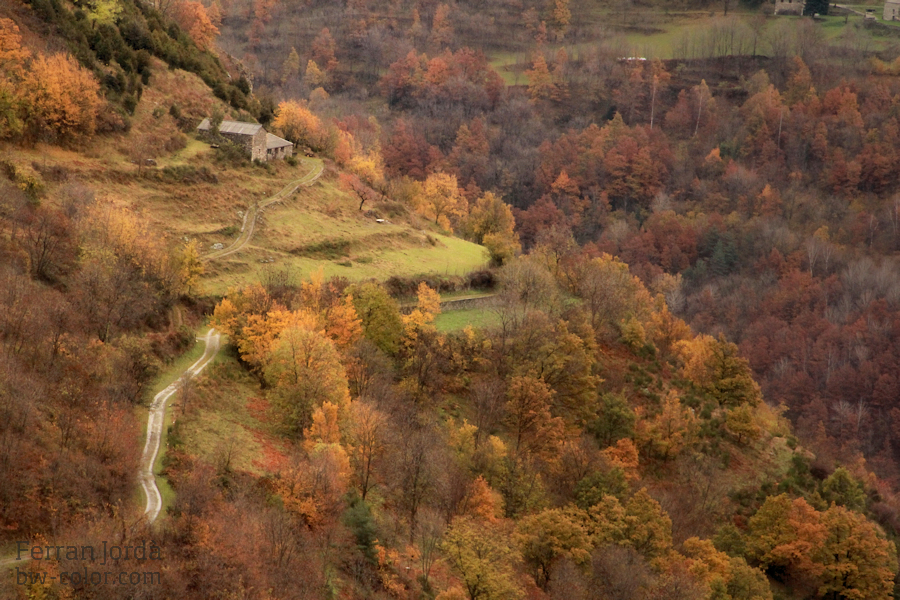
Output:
x,y
816,7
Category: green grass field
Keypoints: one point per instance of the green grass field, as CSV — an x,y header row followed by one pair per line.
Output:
x,y
193,149
321,227
220,420
505,63
457,320
465,294
652,34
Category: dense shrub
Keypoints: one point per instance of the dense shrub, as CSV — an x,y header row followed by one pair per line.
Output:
x,y
120,53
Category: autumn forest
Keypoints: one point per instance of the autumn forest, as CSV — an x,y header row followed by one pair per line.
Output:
x,y
671,370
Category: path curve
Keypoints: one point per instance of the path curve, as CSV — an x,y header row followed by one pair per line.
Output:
x,y
157,419
249,222
853,10
155,423
212,340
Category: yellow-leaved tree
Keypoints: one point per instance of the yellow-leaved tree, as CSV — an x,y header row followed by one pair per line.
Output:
x,y
242,317
428,306
715,367
314,76
549,536
483,555
724,576
186,262
611,294
369,167
667,433
305,371
12,67
291,67
491,224
441,200
299,125
104,12
12,54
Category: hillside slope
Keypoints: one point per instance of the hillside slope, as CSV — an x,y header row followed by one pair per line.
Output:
x,y
191,195
583,442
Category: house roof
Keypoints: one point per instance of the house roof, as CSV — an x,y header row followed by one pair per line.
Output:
x,y
273,141
233,127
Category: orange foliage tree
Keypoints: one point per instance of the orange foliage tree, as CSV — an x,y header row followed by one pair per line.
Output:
x,y
835,552
299,125
62,97
12,55
193,18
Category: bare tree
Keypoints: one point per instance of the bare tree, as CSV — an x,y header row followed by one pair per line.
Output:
x,y
47,237
368,431
431,530
414,460
488,397
278,530
813,247
893,215
185,393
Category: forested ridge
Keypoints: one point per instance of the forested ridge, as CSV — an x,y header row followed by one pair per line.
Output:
x,y
685,383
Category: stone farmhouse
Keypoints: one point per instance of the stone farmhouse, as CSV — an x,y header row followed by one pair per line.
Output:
x,y
789,7
260,144
892,10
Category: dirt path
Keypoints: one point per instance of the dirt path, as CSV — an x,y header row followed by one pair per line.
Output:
x,y
156,422
853,10
249,223
157,417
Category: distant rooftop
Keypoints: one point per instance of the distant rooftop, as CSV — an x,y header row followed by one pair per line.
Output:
x,y
273,141
233,127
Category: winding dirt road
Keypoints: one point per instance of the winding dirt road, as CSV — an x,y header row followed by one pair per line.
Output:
x,y
249,223
157,416
212,340
157,420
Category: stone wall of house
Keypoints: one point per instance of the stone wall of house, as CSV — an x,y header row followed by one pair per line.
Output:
x,y
245,141
259,146
280,153
255,145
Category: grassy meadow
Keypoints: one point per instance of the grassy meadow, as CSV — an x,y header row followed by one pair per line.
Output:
x,y
189,195
321,227
653,33
457,320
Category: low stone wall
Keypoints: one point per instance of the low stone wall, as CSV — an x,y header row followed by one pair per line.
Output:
x,y
464,303
882,28
456,304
